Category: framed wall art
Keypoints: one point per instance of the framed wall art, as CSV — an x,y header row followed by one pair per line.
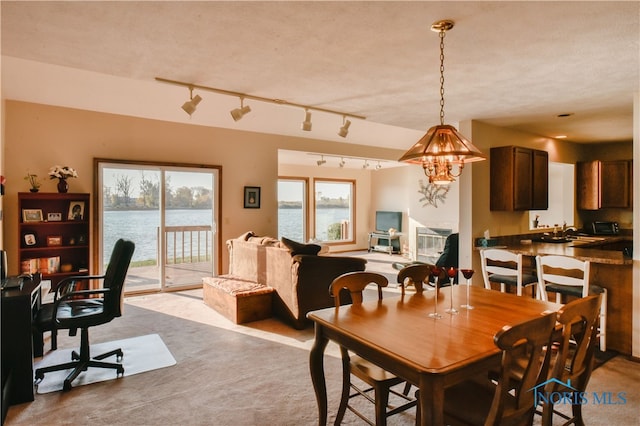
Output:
x,y
251,197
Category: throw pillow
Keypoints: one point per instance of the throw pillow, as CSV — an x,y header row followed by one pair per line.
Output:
x,y
298,248
246,236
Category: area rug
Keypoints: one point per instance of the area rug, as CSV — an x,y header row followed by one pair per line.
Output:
x,y
143,353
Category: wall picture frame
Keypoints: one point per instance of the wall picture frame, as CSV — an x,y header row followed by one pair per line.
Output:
x,y
32,215
76,210
251,197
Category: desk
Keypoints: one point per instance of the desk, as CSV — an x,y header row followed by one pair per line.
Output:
x,y
397,334
18,308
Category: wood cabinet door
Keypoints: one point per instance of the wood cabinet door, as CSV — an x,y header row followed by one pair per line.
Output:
x,y
522,178
615,180
588,185
540,199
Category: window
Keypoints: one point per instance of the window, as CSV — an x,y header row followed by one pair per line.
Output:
x,y
561,198
292,208
334,210
169,211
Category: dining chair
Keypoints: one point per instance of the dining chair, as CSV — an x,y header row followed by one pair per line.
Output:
x,y
506,268
379,380
568,276
414,274
479,400
573,363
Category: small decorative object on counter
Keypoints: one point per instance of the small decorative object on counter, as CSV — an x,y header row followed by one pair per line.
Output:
x,y
62,173
33,182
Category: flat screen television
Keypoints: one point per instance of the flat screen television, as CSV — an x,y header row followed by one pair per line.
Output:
x,y
387,220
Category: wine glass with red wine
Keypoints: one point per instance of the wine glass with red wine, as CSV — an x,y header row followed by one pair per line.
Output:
x,y
435,273
451,273
467,274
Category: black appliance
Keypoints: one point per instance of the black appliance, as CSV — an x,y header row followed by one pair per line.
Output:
x,y
604,228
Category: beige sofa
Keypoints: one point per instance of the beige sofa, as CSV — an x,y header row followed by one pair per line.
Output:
x,y
266,267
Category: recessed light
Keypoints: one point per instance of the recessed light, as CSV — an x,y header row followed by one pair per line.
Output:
x,y
560,137
567,114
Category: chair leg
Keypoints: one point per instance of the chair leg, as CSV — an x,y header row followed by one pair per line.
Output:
x,y
603,321
382,400
346,386
81,362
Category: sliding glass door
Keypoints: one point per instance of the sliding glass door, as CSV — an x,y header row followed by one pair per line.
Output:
x,y
169,212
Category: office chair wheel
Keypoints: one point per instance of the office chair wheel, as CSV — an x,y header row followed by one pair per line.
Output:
x,y
66,386
120,371
39,376
75,356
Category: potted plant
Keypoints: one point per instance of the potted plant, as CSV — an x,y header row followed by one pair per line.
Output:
x,y
62,173
33,182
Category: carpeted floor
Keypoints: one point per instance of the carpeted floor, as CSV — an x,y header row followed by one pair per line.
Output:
x,y
255,374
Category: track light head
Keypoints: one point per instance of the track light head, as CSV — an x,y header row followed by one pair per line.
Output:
x,y
341,163
190,106
238,113
321,161
366,164
306,124
344,130
378,166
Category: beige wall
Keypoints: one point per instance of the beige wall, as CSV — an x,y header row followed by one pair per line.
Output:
x,y
40,136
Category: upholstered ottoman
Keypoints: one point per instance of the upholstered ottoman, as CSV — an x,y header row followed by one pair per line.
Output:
x,y
239,300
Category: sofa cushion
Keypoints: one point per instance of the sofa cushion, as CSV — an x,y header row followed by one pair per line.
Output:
x,y
298,248
246,236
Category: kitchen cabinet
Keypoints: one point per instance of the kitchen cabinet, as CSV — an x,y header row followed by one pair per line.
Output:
x,y
519,179
603,184
54,234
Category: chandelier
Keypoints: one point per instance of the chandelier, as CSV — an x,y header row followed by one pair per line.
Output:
x,y
443,146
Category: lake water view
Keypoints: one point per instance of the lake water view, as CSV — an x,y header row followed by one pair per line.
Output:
x,y
141,226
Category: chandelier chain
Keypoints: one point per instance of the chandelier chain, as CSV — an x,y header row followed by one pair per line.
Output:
x,y
442,32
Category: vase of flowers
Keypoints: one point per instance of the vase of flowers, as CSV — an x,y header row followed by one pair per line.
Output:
x,y
62,173
33,181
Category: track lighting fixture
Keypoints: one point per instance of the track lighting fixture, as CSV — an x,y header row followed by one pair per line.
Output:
x,y
341,163
366,164
321,161
190,106
344,130
238,113
306,124
378,166
442,146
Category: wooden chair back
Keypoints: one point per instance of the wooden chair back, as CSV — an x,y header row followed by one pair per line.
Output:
x,y
562,270
531,338
574,358
416,274
356,282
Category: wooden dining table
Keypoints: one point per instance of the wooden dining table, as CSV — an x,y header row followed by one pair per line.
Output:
x,y
397,334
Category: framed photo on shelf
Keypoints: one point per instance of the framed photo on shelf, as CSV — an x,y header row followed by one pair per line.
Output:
x,y
32,215
54,240
251,197
54,217
30,239
76,210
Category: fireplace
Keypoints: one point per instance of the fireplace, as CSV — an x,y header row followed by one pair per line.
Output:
x,y
430,243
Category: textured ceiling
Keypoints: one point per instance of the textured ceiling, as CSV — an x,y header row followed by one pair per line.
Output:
x,y
515,64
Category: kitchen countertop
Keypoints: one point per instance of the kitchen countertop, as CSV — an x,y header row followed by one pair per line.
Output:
x,y
582,250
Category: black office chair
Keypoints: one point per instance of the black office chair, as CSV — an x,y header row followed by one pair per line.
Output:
x,y
81,309
449,257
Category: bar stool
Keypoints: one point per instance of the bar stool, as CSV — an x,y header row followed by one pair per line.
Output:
x,y
568,276
504,267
